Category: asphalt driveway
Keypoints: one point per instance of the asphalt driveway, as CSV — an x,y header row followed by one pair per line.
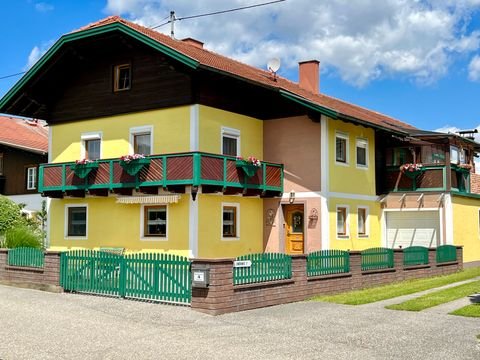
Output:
x,y
41,325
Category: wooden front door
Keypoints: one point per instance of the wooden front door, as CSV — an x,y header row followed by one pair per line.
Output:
x,y
294,229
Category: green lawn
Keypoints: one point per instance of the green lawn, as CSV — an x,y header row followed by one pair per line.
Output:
x,y
469,311
370,295
438,297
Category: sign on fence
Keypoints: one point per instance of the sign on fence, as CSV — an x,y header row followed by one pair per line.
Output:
x,y
242,263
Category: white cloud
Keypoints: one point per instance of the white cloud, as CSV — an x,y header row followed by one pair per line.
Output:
x,y
36,53
44,7
474,69
359,40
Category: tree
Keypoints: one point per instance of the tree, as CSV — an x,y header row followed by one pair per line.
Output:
x,y
10,215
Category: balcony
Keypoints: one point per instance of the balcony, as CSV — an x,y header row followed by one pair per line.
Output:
x,y
430,178
173,172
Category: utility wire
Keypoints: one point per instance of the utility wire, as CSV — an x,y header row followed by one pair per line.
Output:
x,y
12,75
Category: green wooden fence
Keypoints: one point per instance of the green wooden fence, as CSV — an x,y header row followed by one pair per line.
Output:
x,y
446,253
415,255
264,267
377,258
326,262
27,257
161,277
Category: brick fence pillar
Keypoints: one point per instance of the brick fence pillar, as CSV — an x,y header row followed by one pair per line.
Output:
x,y
356,270
398,264
218,297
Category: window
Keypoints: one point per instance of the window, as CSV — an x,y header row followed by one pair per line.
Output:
x,y
91,146
341,148
141,140
122,77
1,164
362,153
76,221
362,214
230,217
230,141
31,178
155,221
342,221
454,155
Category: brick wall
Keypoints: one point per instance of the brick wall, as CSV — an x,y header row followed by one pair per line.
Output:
x,y
475,183
223,297
47,277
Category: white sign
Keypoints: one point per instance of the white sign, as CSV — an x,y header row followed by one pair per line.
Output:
x,y
242,263
199,276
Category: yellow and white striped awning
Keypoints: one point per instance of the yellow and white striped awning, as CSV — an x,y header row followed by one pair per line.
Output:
x,y
149,199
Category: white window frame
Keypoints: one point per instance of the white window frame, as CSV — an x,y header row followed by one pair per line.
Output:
x,y
142,224
232,134
367,222
345,137
347,221
140,130
453,149
95,135
361,142
31,174
237,222
66,237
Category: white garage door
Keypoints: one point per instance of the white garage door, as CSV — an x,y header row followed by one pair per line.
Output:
x,y
413,228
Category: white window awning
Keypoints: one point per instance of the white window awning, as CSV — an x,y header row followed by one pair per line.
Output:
x,y
149,199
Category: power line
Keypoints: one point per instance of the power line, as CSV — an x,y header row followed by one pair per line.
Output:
x,y
12,75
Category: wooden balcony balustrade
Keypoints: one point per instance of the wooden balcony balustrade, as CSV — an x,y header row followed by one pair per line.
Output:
x,y
215,173
430,178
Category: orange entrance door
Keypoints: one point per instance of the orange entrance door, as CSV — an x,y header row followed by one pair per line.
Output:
x,y
294,229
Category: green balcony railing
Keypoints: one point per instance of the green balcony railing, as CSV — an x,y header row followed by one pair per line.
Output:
x,y
214,172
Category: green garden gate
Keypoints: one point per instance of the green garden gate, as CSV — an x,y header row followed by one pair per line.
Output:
x,y
153,276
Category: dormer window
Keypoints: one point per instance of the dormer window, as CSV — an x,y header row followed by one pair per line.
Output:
x,y
122,77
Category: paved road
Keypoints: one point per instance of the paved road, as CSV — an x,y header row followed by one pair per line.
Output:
x,y
40,325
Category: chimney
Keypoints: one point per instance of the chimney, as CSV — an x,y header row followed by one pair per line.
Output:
x,y
308,75
193,42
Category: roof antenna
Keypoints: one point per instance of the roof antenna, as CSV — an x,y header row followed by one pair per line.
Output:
x,y
273,65
172,22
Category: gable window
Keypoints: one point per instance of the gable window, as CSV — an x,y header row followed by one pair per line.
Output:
x,y
362,153
230,141
341,148
31,178
91,146
155,221
342,213
122,77
141,140
230,217
76,221
362,225
1,164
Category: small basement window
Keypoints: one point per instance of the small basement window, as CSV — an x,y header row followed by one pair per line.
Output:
x,y
155,221
76,221
230,221
122,77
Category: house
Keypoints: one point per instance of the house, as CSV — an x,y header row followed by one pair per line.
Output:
x,y
23,146
328,174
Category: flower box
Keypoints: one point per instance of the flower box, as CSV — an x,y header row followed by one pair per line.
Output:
x,y
248,168
82,169
412,170
133,167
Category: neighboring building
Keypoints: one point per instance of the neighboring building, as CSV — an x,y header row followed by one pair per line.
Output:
x,y
23,146
192,112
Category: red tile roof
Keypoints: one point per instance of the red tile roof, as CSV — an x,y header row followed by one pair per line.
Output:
x,y
27,135
219,62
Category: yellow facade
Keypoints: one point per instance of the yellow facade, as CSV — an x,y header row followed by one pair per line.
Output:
x,y
171,133
119,225
211,244
352,241
466,231
349,178
212,120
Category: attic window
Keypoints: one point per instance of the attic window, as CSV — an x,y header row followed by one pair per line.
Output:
x,y
122,77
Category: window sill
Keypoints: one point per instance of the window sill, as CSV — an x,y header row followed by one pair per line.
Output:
x,y
364,237
339,163
343,237
154,238
361,167
230,238
75,238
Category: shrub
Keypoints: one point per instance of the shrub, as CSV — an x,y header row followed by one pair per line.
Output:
x,y
10,215
21,236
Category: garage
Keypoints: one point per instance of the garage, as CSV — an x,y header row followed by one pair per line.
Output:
x,y
412,228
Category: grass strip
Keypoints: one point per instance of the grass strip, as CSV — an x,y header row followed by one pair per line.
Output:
x,y
366,296
468,311
437,297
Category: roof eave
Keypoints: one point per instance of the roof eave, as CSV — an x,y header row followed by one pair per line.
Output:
x,y
25,148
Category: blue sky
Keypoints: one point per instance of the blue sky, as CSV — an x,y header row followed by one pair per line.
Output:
x,y
417,61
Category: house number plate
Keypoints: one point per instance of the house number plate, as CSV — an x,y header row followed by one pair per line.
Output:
x,y
242,263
